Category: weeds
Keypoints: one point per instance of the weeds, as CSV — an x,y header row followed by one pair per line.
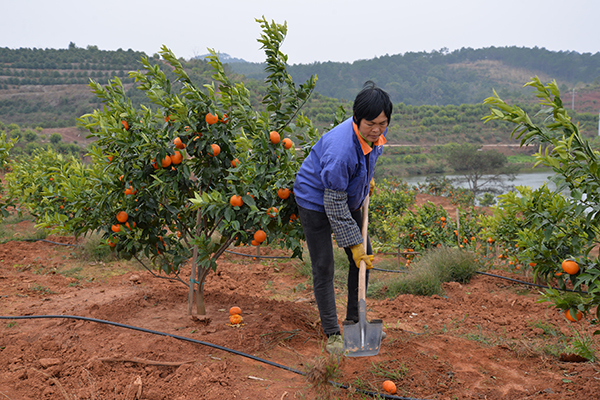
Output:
x,y
439,265
320,373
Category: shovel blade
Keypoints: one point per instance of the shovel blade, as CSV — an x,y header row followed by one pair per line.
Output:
x,y
362,339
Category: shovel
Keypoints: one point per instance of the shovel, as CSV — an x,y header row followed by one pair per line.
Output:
x,y
363,339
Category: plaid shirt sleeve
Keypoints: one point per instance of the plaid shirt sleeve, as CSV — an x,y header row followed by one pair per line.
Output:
x,y
347,232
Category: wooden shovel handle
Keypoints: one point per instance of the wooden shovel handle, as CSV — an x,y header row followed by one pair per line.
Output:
x,y
362,273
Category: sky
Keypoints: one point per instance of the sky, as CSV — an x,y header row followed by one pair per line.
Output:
x,y
318,30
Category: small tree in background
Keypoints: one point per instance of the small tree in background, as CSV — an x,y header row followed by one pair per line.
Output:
x,y
485,171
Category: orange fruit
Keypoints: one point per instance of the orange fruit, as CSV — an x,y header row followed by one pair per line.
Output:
x,y
111,242
235,310
211,118
122,216
125,125
570,318
287,143
216,149
224,119
236,201
110,158
389,387
177,157
272,212
260,236
178,143
274,137
130,227
570,267
283,193
532,264
235,162
235,319
293,217
166,161
255,243
442,219
116,228
490,240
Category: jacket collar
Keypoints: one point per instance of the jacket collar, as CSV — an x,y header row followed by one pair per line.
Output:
x,y
363,143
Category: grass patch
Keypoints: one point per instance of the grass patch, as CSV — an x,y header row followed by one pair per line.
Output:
x,y
93,248
554,343
425,278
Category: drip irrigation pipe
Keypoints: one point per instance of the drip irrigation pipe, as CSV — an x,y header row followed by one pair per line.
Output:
x,y
214,346
254,255
528,283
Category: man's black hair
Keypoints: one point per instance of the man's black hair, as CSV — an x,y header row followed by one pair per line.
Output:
x,y
370,102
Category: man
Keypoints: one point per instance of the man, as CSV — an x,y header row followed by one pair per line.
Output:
x,y
330,188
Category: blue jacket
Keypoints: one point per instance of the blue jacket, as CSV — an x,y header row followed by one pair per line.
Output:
x,y
337,162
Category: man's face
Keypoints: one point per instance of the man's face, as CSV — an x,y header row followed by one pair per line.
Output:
x,y
371,130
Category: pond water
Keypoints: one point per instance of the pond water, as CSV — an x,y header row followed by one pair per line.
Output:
x,y
531,179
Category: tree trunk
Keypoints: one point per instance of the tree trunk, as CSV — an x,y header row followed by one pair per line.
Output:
x,y
200,305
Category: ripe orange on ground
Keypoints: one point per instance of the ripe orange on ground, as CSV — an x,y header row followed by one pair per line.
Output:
x,y
570,267
283,193
216,150
211,119
116,228
389,387
122,216
178,143
260,236
166,161
235,319
570,318
274,137
287,143
177,158
236,200
235,310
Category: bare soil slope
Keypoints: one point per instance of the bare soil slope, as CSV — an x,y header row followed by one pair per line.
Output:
x,y
479,341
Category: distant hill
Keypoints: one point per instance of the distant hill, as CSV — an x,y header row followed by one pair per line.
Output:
x,y
464,76
49,87
224,57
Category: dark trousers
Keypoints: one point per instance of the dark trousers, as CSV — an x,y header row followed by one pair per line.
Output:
x,y
317,231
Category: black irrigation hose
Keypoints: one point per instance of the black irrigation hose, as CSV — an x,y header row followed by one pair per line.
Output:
x,y
214,346
47,241
528,283
254,256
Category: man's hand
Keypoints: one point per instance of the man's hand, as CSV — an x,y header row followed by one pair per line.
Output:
x,y
358,254
372,187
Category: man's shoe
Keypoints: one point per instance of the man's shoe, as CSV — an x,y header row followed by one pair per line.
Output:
x,y
335,344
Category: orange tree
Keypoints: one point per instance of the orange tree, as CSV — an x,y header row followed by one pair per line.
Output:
x,y
563,227
198,169
51,186
5,147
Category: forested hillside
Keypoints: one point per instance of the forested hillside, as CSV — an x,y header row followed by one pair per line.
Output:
x,y
464,76
438,95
